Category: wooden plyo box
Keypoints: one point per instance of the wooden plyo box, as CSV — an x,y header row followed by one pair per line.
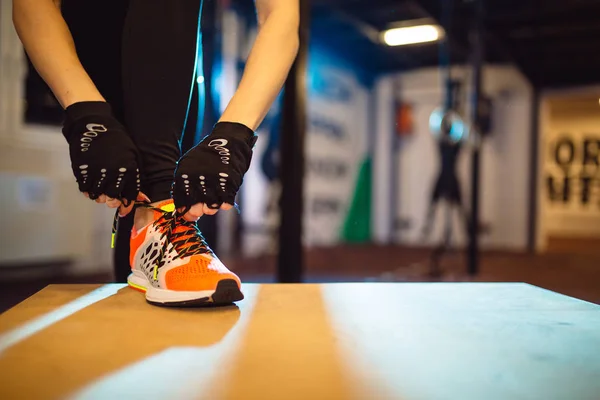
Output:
x,y
438,341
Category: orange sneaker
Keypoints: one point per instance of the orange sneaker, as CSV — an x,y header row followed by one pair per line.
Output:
x,y
173,265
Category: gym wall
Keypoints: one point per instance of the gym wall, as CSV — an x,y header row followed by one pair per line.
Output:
x,y
403,189
569,187
43,218
337,164
402,171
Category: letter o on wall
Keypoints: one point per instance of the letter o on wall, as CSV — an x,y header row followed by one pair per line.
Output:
x,y
564,152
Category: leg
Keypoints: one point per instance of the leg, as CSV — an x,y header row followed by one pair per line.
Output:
x,y
433,202
159,61
158,64
435,270
170,260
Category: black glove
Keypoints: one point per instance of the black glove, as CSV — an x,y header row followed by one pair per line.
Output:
x,y
103,157
213,171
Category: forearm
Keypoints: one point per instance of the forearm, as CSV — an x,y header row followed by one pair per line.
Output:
x,y
266,69
50,47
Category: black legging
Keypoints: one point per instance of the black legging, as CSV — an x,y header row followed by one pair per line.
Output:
x,y
142,56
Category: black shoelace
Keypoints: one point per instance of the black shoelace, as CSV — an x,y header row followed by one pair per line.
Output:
x,y
187,240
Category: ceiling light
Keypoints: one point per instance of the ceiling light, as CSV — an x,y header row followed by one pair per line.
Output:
x,y
412,35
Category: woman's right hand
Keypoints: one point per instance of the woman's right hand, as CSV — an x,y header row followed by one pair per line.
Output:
x,y
104,159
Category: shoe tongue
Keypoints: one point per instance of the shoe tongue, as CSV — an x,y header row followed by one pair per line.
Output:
x,y
187,232
167,205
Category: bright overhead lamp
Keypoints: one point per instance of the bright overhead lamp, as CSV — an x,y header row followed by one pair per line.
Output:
x,y
412,35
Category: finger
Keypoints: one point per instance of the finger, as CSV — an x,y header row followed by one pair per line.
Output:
x,y
195,212
130,193
229,186
210,197
122,184
82,175
183,190
197,209
227,198
101,182
138,182
113,203
88,185
208,210
191,218
223,183
142,197
98,188
124,210
226,206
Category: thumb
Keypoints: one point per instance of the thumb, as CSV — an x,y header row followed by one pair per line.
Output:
x,y
142,197
124,210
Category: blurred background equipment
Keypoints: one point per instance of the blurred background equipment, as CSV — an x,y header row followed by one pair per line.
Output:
x,y
450,131
375,84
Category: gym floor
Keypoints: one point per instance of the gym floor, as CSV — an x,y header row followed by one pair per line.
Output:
x,y
570,268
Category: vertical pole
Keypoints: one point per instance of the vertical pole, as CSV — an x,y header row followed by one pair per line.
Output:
x,y
208,223
209,49
533,171
229,33
290,267
477,46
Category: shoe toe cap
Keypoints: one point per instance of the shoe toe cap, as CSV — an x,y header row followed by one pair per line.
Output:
x,y
198,277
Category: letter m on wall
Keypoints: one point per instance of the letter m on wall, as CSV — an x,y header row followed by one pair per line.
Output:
x,y
558,189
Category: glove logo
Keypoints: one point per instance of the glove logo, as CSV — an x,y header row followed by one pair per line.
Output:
x,y
219,146
90,134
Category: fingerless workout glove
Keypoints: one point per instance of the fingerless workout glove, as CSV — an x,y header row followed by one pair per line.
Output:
x,y
213,171
104,159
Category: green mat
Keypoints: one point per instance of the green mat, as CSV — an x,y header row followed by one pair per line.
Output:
x,y
357,226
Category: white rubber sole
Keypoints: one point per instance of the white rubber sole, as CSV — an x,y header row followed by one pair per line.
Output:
x,y
226,292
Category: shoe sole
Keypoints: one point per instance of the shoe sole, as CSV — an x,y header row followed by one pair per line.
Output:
x,y
226,292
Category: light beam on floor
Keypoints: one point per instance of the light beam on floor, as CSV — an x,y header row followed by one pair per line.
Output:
x,y
40,323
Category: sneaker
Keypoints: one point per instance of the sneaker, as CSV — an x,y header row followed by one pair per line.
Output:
x,y
173,265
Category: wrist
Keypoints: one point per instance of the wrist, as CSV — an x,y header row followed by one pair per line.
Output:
x,y
70,99
75,86
85,108
235,130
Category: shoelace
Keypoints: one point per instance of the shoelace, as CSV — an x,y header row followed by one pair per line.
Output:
x,y
185,236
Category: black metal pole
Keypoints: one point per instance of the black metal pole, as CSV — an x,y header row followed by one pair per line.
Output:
x,y
208,223
477,46
533,171
290,267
